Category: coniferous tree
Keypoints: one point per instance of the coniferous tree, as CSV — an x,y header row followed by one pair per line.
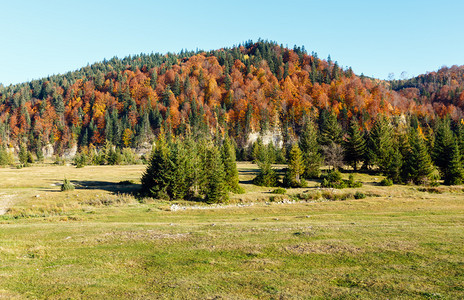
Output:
x,y
295,168
393,170
267,175
330,130
380,143
23,154
443,147
156,179
354,145
454,171
310,148
417,166
178,186
215,190
460,137
230,166
5,157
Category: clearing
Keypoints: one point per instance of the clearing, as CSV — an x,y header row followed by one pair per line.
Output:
x,y
100,242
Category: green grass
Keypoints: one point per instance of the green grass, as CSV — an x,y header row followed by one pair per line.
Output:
x,y
404,243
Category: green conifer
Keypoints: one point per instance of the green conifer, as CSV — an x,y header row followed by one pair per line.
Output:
x,y
157,176
311,151
380,143
454,171
330,130
215,189
418,165
295,166
230,166
354,145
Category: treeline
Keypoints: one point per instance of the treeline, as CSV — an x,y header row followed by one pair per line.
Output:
x,y
249,88
397,147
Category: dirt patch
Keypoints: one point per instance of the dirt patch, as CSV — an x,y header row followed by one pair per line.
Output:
x,y
5,202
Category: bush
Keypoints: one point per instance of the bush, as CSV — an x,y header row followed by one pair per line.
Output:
x,y
353,184
67,186
386,182
359,195
279,191
333,180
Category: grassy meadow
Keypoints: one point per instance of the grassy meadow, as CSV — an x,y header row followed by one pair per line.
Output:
x,y
100,242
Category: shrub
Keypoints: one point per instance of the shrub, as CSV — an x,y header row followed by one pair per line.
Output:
x,y
333,180
386,182
67,186
353,184
359,195
310,196
279,191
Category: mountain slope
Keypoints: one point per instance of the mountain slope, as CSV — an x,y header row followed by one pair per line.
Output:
x,y
247,88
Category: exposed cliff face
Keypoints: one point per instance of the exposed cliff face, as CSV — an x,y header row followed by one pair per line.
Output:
x,y
267,137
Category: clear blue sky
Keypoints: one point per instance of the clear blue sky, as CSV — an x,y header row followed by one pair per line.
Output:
x,y
40,38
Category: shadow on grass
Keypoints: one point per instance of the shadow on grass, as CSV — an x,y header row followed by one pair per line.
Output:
x,y
123,187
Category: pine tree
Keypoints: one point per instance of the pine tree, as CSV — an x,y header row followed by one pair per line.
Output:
x,y
443,147
460,136
393,170
23,154
230,166
295,167
330,130
310,148
178,186
157,176
454,171
417,165
215,190
380,143
267,175
354,145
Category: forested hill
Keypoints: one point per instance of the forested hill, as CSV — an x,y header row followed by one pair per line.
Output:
x,y
248,88
442,89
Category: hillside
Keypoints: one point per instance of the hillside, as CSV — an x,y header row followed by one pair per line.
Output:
x,y
248,88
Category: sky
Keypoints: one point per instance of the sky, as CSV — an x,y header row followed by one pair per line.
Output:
x,y
376,38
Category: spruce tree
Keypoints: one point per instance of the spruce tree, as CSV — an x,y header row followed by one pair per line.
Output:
x,y
158,175
311,151
393,170
454,171
230,166
295,167
443,147
460,137
23,154
330,130
257,150
178,186
354,145
267,175
417,166
380,143
215,190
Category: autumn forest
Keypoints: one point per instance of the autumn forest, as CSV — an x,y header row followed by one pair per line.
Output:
x,y
253,87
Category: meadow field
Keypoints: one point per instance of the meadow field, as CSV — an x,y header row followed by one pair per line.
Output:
x,y
101,242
